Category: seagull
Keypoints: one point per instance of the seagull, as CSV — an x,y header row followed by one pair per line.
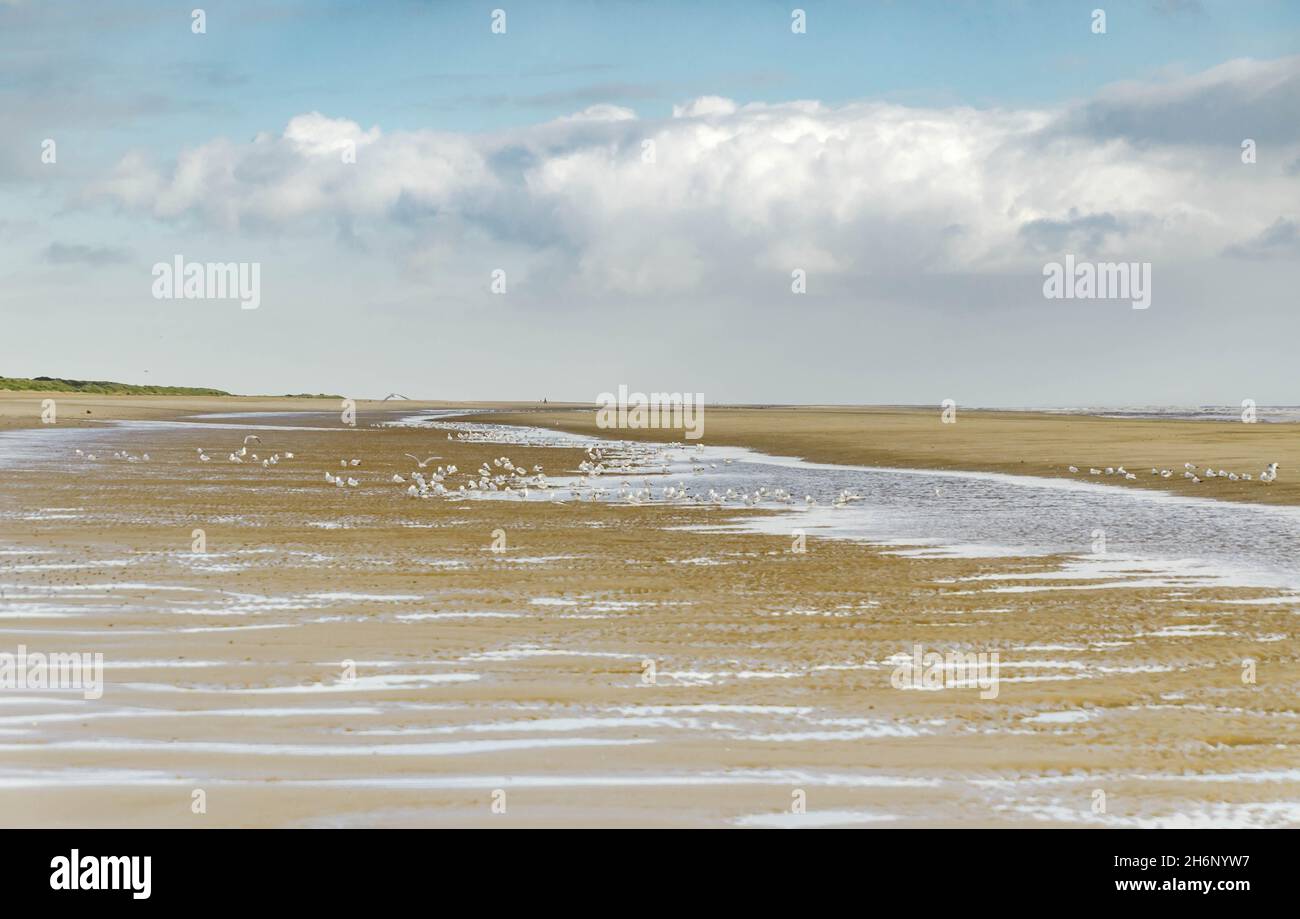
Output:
x,y
1074,468
252,437
398,478
1094,471
422,463
203,457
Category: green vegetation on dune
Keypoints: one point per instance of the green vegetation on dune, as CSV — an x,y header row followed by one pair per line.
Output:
x,y
101,387
109,388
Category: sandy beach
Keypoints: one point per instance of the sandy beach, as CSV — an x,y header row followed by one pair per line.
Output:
x,y
357,657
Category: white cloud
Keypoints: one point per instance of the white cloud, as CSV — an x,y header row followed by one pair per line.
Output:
x,y
314,134
705,105
736,190
603,113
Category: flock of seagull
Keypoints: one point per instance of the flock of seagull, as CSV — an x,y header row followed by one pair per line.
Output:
x,y
507,479
1190,472
119,455
242,454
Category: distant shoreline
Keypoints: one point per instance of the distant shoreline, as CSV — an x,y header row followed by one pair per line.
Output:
x,y
112,388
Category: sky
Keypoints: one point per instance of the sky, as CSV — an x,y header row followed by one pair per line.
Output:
x,y
596,194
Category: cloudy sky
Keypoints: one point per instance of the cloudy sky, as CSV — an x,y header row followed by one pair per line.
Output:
x,y
647,176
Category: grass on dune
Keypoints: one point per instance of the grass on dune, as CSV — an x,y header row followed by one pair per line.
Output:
x,y
109,388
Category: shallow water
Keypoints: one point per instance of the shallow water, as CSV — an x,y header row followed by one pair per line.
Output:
x,y
1182,540
1192,541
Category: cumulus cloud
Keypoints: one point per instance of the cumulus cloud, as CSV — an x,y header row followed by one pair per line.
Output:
x,y
722,191
705,105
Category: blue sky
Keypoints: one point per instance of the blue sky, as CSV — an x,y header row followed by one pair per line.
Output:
x,y
412,64
1006,127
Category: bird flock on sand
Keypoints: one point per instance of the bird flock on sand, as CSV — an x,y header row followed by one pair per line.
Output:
x,y
1191,472
505,478
117,455
502,477
242,455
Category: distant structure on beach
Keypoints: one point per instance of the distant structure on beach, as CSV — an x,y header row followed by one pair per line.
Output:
x,y
396,395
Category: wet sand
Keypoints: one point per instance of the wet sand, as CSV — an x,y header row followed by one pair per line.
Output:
x,y
523,671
